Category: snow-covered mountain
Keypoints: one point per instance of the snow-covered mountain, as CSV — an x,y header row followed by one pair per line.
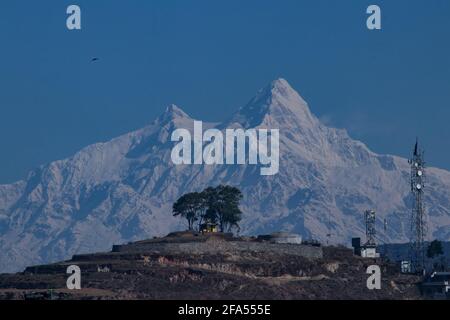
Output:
x,y
122,190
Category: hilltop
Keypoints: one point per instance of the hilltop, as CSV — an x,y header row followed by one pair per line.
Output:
x,y
216,266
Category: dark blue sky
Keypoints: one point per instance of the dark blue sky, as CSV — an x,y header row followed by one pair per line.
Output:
x,y
210,57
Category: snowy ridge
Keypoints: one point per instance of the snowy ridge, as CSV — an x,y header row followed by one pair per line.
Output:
x,y
122,190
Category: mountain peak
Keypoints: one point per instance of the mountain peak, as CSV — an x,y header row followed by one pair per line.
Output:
x,y
280,86
172,113
279,102
123,190
175,111
281,89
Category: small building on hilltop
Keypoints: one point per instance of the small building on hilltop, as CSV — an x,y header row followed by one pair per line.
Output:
x,y
209,228
281,237
367,250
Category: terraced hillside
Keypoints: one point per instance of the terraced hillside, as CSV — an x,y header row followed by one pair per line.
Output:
x,y
192,266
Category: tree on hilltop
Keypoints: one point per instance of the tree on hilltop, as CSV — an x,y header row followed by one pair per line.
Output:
x,y
435,249
188,206
219,205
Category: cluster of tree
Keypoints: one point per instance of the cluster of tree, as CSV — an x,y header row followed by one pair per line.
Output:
x,y
218,205
435,252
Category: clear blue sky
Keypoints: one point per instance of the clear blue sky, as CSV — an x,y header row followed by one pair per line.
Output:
x,y
210,57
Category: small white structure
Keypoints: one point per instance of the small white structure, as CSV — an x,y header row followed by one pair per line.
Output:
x,y
369,252
103,269
285,237
405,266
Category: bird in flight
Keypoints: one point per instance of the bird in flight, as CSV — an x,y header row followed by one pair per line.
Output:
x,y
95,59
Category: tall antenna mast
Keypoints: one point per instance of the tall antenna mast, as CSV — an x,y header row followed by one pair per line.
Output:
x,y
418,225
